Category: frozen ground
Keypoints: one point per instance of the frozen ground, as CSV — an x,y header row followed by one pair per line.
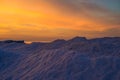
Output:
x,y
75,59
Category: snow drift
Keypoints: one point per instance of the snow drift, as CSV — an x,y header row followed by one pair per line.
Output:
x,y
74,59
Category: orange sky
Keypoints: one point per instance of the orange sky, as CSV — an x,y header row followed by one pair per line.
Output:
x,y
46,20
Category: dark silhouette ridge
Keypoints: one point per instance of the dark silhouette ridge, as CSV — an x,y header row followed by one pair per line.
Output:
x,y
75,39
12,41
59,41
78,39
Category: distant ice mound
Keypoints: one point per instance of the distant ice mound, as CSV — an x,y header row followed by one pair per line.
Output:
x,y
12,41
75,59
78,39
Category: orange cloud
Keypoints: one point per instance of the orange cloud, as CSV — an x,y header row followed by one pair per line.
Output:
x,y
51,19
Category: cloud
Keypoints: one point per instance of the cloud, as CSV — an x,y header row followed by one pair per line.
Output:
x,y
113,32
74,6
86,8
50,19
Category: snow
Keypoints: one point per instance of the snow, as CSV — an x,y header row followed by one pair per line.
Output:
x,y
75,59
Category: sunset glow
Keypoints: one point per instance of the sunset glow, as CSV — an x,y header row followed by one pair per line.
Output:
x,y
46,20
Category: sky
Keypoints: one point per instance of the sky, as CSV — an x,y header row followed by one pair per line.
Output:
x,y
47,20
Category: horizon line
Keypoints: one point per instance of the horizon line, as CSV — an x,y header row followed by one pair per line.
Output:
x,y
28,41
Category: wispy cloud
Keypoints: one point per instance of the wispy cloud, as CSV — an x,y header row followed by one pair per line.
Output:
x,y
50,19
